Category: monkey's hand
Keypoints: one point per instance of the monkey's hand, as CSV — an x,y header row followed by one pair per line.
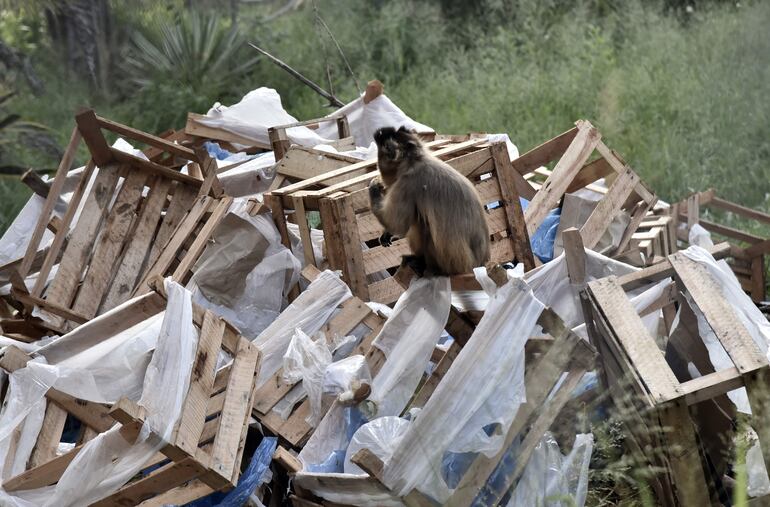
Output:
x,y
386,239
376,189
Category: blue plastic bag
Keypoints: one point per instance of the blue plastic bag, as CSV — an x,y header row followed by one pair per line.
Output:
x,y
544,237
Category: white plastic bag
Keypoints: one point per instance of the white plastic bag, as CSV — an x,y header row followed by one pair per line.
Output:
x,y
407,339
380,436
343,377
306,360
308,312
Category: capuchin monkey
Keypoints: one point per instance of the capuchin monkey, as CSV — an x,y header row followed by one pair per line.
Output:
x,y
423,199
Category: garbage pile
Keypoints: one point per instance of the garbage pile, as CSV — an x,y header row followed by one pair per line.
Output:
x,y
207,317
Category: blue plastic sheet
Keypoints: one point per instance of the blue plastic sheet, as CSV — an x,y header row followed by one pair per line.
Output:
x,y
217,151
249,481
544,237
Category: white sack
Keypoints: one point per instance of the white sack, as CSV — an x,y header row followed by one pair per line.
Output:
x,y
380,436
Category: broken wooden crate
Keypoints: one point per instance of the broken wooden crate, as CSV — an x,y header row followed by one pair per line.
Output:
x,y
573,170
657,403
206,448
351,231
352,315
748,248
652,242
137,218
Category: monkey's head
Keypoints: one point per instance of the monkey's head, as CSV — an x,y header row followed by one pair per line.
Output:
x,y
394,147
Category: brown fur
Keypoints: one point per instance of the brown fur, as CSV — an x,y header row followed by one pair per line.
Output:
x,y
425,200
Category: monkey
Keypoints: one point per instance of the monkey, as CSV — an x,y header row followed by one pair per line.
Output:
x,y
421,198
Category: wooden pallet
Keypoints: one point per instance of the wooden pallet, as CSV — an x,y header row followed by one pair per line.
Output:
x,y
749,249
573,171
651,243
136,219
353,313
657,403
206,448
348,222
280,142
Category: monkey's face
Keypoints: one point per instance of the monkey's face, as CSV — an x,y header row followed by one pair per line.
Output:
x,y
395,146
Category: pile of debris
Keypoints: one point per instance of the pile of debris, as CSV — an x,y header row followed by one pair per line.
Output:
x,y
206,317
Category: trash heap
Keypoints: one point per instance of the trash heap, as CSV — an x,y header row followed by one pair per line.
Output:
x,y
206,317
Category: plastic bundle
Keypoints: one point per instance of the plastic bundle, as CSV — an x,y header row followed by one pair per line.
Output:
x,y
308,312
306,360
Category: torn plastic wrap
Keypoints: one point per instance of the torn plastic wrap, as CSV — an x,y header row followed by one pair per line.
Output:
x,y
343,378
542,240
245,274
407,339
577,208
380,436
484,388
306,360
551,479
247,179
108,461
308,312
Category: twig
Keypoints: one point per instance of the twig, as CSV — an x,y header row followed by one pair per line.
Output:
x,y
320,91
339,48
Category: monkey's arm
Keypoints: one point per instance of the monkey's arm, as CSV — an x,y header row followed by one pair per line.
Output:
x,y
395,211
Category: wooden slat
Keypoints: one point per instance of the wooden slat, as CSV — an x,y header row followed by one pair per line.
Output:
x,y
353,264
235,412
304,230
512,206
149,139
62,288
739,210
130,269
300,163
188,430
51,200
153,168
109,245
707,295
199,244
608,207
92,135
589,173
628,330
545,153
49,437
574,158
181,202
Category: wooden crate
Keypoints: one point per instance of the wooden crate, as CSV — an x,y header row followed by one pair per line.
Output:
x,y
573,171
651,243
280,140
657,403
565,352
206,448
749,249
136,218
352,313
348,223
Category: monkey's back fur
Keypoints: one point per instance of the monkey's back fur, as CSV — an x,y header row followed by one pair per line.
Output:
x,y
425,200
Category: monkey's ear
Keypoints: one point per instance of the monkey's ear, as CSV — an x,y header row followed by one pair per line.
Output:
x,y
383,133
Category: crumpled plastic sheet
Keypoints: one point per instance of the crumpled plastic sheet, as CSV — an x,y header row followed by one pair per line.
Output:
x,y
340,376
108,461
407,339
325,449
251,178
576,209
253,305
306,360
316,238
551,478
379,436
542,240
257,473
308,312
484,387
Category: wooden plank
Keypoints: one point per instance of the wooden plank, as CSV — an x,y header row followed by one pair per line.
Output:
x,y
159,481
304,230
663,269
711,385
199,244
51,200
545,153
300,163
575,255
637,215
49,437
149,139
438,373
554,187
693,211
63,286
512,206
195,128
601,217
353,262
758,279
628,330
181,495
169,253
589,173
707,295
235,412
182,201
378,258
109,245
189,426
130,269
153,168
49,307
740,210
92,135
